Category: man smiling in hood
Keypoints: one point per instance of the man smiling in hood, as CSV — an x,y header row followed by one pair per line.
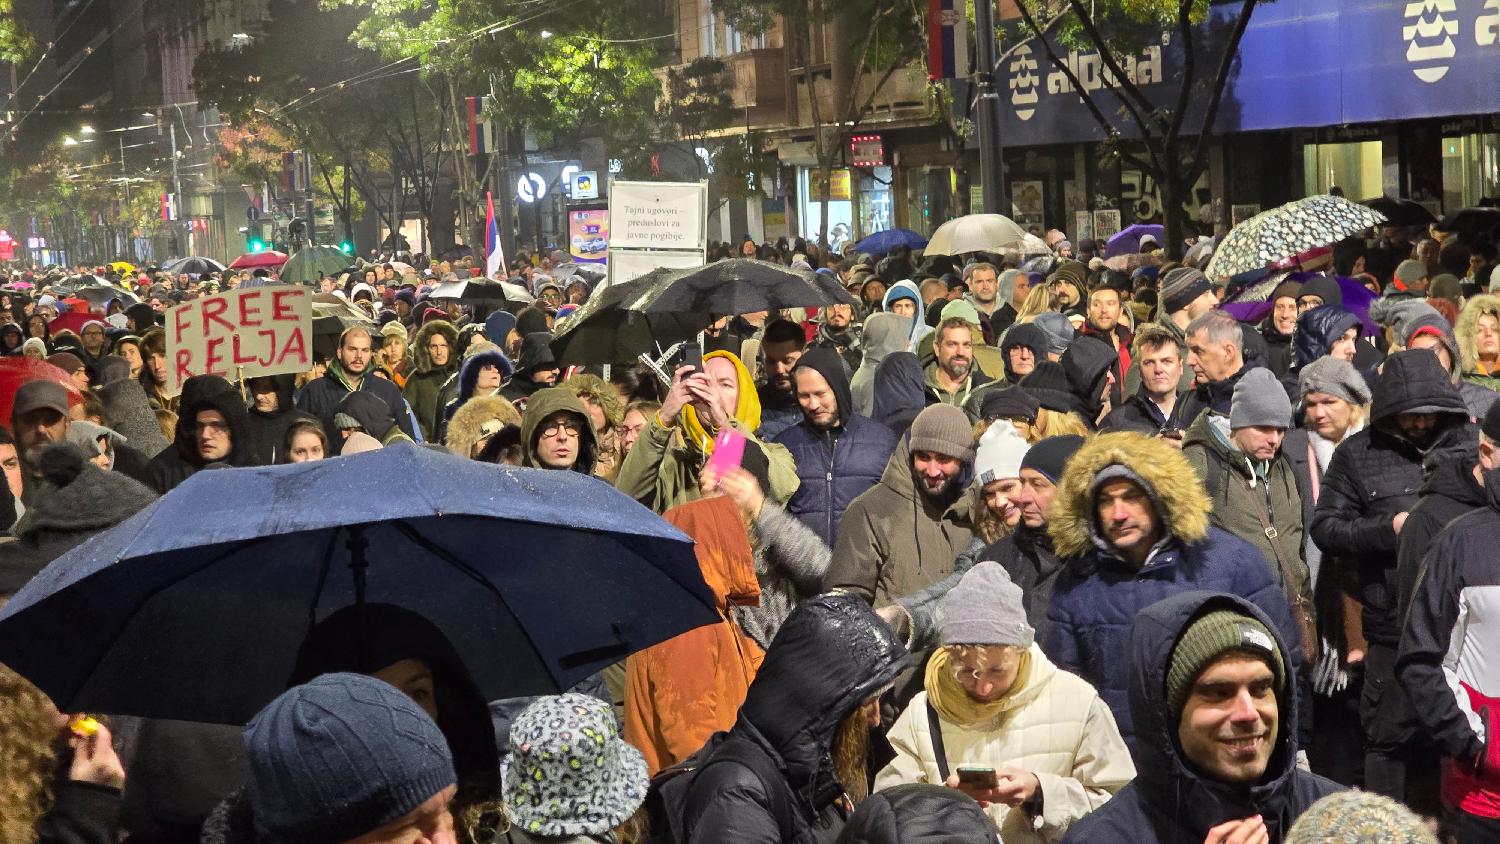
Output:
x,y
1214,706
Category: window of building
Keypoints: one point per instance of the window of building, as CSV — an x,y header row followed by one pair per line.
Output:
x,y
1355,167
1471,169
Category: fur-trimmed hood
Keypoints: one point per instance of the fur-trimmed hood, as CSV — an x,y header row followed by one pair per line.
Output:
x,y
1468,323
1175,489
418,345
464,427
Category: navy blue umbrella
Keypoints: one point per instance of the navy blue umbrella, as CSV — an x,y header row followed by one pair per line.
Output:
x,y
881,243
195,607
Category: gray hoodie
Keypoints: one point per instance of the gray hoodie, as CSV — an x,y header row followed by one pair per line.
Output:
x,y
884,334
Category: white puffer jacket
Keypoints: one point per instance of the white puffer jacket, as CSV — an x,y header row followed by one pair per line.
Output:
x,y
1057,727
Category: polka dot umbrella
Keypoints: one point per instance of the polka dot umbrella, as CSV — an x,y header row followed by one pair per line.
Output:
x,y
1283,232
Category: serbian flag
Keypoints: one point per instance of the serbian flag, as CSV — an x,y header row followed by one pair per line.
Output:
x,y
947,39
494,256
478,125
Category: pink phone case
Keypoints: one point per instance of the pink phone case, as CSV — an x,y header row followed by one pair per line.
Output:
x,y
729,450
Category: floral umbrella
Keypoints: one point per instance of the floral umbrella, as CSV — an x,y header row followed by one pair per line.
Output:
x,y
1295,227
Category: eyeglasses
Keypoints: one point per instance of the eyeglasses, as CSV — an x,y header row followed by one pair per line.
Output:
x,y
552,428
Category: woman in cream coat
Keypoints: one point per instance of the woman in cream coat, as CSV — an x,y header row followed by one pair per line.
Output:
x,y
1000,703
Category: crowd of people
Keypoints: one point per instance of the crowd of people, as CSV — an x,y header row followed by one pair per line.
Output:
x,y
1019,548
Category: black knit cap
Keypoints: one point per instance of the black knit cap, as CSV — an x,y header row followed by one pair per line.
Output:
x,y
1049,385
1011,403
1050,456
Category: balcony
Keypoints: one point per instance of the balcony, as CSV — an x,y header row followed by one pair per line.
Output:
x,y
757,78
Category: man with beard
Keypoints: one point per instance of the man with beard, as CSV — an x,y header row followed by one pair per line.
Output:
x,y
794,763
781,347
39,417
348,372
839,454
1103,321
952,373
1369,489
839,331
904,533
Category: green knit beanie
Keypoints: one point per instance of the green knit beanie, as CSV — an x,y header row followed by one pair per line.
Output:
x,y
1209,636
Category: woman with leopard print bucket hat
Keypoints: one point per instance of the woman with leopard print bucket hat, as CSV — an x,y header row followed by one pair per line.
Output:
x,y
570,778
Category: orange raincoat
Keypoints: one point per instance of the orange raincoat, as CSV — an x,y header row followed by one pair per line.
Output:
x,y
682,691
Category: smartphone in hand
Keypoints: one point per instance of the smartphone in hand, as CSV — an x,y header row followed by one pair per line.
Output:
x,y
978,776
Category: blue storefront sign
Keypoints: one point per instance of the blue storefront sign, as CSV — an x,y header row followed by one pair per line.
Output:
x,y
1302,63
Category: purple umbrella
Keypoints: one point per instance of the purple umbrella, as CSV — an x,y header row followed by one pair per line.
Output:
x,y
1127,241
1253,303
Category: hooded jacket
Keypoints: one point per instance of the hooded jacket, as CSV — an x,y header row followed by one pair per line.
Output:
x,y
1377,473
1171,801
834,466
203,392
916,813
1450,491
536,351
1317,331
1025,334
1052,724
373,416
267,431
1099,594
128,411
545,403
1278,347
1468,323
885,334
424,384
1088,362
464,428
84,501
900,391
830,656
661,471
680,692
1447,648
895,539
465,382
918,328
1241,497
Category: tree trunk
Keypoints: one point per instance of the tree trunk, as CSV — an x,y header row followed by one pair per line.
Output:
x,y
1170,182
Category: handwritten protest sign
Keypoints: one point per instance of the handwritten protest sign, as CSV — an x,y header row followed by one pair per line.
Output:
x,y
253,332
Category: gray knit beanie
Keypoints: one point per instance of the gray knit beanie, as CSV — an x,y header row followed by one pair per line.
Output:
x,y
1259,399
340,756
1059,331
1358,817
985,609
943,429
1335,377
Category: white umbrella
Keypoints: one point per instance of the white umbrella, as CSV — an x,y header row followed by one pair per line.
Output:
x,y
977,233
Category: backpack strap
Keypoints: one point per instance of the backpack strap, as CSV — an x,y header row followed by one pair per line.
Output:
x,y
778,793
935,729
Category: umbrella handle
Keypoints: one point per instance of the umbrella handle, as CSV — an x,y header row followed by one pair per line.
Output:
x,y
357,563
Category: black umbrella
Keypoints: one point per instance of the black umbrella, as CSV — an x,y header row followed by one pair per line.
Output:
x,y
479,290
196,607
99,294
1401,212
737,286
192,266
605,330
1472,221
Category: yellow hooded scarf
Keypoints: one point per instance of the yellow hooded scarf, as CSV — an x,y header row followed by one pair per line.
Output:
x,y
746,410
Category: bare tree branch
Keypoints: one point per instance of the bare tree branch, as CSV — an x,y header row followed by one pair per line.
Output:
x,y
1221,79
1133,100
1189,71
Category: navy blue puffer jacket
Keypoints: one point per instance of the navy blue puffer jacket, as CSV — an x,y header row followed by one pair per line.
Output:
x,y
834,465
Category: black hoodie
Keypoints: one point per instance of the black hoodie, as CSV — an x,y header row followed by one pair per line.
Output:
x,y
1171,801
1027,335
830,656
372,414
266,432
919,813
1451,491
834,465
180,460
1377,473
1087,363
536,351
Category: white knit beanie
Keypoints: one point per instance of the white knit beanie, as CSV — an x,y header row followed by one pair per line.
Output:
x,y
1000,452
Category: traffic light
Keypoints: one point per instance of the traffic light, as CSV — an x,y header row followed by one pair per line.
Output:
x,y
255,244
347,247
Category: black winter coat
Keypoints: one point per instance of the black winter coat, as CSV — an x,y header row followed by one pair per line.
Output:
x,y
87,504
919,813
1140,414
180,460
830,656
320,399
1170,801
1278,348
1377,473
834,465
778,411
1216,396
266,432
1028,558
81,813
1451,491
